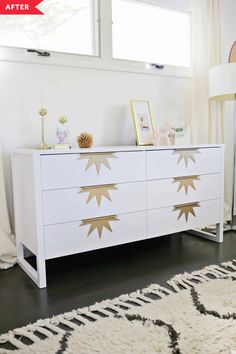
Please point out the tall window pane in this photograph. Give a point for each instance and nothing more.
(148, 33)
(68, 26)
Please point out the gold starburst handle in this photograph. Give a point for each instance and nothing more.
(98, 192)
(186, 182)
(97, 159)
(186, 149)
(99, 186)
(187, 204)
(185, 177)
(186, 209)
(99, 223)
(186, 154)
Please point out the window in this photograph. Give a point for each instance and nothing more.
(152, 34)
(66, 26)
(120, 35)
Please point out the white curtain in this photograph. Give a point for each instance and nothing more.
(7, 243)
(207, 118)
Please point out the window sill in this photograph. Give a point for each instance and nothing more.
(90, 62)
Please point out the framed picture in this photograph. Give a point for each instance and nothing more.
(62, 134)
(143, 121)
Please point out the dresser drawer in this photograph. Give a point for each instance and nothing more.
(74, 170)
(180, 190)
(72, 204)
(173, 219)
(182, 162)
(75, 237)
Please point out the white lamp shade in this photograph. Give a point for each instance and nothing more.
(222, 82)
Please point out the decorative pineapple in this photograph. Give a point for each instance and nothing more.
(85, 140)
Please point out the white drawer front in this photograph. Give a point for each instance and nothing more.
(74, 237)
(74, 170)
(165, 220)
(73, 204)
(173, 163)
(180, 190)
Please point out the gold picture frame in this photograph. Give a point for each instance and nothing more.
(143, 121)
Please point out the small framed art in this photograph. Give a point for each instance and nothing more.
(143, 121)
(62, 134)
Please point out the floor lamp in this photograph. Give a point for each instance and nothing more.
(222, 87)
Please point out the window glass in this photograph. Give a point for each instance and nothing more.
(68, 26)
(148, 33)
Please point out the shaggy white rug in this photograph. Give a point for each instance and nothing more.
(196, 313)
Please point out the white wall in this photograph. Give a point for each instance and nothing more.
(96, 101)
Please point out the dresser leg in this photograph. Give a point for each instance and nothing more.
(217, 237)
(41, 267)
(39, 275)
(219, 232)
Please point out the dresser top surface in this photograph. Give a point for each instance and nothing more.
(118, 148)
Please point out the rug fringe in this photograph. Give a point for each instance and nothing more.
(120, 305)
(188, 280)
(230, 264)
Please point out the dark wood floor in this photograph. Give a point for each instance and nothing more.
(81, 280)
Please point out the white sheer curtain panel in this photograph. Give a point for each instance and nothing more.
(207, 118)
(7, 240)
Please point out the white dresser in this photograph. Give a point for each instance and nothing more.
(72, 201)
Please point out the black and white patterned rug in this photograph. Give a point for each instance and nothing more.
(195, 313)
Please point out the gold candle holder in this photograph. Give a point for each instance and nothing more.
(43, 145)
(62, 119)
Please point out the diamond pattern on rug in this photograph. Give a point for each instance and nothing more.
(196, 315)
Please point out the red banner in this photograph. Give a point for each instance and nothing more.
(20, 7)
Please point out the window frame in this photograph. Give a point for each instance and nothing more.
(104, 60)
